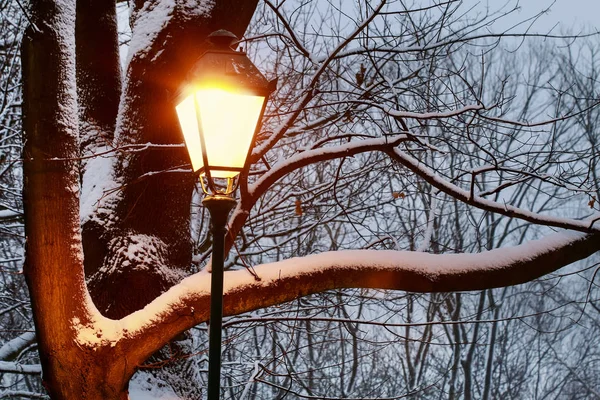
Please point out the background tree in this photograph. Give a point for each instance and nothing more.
(19, 369)
(379, 138)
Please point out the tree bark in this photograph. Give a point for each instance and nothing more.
(394, 270)
(53, 267)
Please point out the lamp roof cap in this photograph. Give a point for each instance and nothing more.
(222, 39)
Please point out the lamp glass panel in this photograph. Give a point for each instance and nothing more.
(186, 112)
(228, 120)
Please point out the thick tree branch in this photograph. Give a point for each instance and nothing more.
(185, 305)
(54, 258)
(11, 349)
(387, 145)
(16, 368)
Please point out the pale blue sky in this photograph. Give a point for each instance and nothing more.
(576, 14)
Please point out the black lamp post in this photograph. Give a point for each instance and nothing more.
(220, 108)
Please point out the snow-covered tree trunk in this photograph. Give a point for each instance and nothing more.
(54, 257)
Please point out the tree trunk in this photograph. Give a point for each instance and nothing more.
(53, 268)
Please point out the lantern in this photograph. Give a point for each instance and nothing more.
(220, 108)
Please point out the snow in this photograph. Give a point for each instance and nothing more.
(145, 386)
(433, 210)
(102, 332)
(13, 347)
(97, 185)
(248, 386)
(97, 333)
(428, 264)
(29, 369)
(143, 251)
(4, 214)
(153, 17)
(11, 350)
(21, 394)
(65, 26)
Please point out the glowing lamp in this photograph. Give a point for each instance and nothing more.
(220, 108)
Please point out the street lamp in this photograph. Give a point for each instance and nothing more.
(220, 108)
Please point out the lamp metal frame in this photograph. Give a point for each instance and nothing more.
(230, 68)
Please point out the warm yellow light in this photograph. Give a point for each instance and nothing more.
(228, 121)
(186, 112)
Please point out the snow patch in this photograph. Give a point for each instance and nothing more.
(96, 333)
(5, 214)
(153, 17)
(97, 185)
(144, 251)
(145, 386)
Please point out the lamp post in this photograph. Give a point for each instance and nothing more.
(220, 107)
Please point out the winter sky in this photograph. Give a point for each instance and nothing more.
(563, 16)
(579, 15)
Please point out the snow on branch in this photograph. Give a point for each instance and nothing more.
(322, 154)
(16, 368)
(9, 214)
(21, 394)
(415, 271)
(12, 348)
(152, 18)
(505, 209)
(185, 304)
